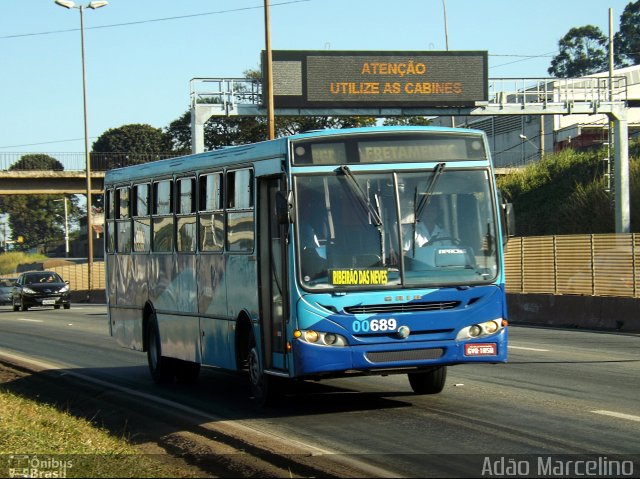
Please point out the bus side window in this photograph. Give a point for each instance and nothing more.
(110, 223)
(210, 215)
(240, 222)
(163, 216)
(141, 220)
(186, 238)
(123, 220)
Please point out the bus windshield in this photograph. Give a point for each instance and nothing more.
(392, 229)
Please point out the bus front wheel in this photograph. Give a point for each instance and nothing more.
(160, 367)
(431, 382)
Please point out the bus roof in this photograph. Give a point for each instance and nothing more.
(237, 155)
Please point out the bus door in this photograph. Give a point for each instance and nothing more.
(274, 298)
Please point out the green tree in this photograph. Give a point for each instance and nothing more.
(136, 143)
(37, 161)
(582, 51)
(565, 194)
(219, 132)
(627, 40)
(37, 218)
(223, 131)
(179, 132)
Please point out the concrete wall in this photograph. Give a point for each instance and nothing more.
(588, 312)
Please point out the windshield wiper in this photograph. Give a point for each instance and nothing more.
(426, 196)
(362, 197)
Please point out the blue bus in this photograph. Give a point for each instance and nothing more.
(323, 254)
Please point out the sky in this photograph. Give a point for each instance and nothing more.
(140, 55)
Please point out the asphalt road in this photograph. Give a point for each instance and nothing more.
(563, 392)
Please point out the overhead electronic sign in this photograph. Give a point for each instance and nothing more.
(386, 79)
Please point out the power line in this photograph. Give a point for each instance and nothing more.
(153, 20)
(47, 142)
(525, 58)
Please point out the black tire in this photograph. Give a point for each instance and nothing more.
(56, 306)
(66, 306)
(265, 389)
(162, 369)
(187, 372)
(431, 382)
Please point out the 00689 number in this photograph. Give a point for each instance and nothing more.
(374, 325)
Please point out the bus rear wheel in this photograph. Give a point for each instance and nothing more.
(264, 388)
(160, 367)
(187, 372)
(430, 382)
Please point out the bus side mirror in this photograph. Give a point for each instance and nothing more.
(284, 206)
(508, 221)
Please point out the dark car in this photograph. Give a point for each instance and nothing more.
(40, 288)
(6, 288)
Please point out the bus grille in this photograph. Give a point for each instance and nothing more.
(401, 307)
(407, 355)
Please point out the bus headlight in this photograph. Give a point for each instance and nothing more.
(311, 336)
(491, 327)
(475, 331)
(479, 330)
(320, 338)
(330, 339)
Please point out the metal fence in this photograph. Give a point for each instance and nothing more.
(592, 265)
(71, 161)
(78, 275)
(596, 265)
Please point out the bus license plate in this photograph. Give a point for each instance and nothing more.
(481, 349)
(48, 301)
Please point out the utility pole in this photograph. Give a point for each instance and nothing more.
(610, 169)
(446, 43)
(271, 131)
(66, 226)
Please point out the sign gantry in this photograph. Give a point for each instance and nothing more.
(412, 83)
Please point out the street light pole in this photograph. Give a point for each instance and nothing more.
(446, 29)
(526, 138)
(93, 5)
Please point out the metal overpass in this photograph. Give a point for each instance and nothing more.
(243, 96)
(47, 182)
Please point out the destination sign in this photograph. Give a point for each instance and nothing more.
(358, 276)
(338, 79)
(400, 148)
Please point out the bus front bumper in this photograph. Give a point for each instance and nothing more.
(319, 360)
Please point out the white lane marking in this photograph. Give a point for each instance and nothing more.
(619, 415)
(214, 420)
(31, 320)
(528, 349)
